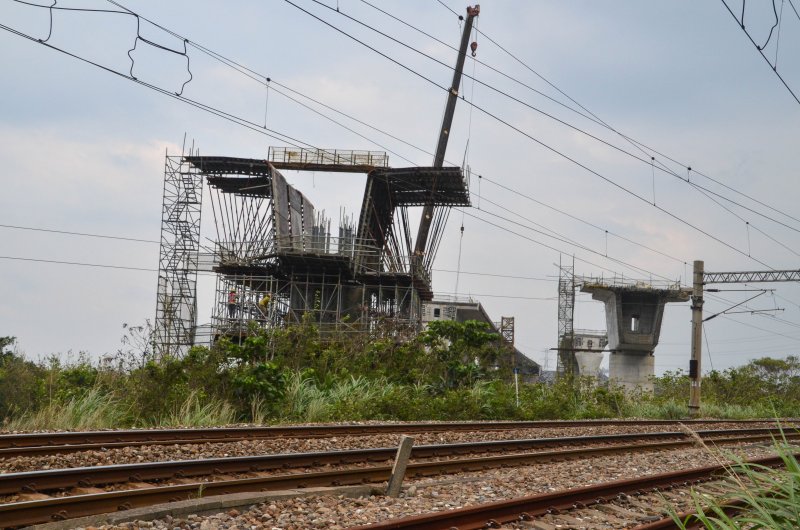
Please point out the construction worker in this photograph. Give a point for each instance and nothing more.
(263, 305)
(232, 303)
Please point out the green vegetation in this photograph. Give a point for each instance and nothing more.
(770, 498)
(452, 371)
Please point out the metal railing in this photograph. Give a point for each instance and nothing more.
(345, 157)
(631, 283)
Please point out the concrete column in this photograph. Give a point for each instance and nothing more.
(697, 339)
(633, 322)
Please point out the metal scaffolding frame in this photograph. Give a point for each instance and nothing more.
(277, 263)
(176, 298)
(566, 363)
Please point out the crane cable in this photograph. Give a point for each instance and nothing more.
(465, 163)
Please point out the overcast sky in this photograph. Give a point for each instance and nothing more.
(82, 150)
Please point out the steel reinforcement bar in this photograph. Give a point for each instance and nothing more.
(492, 515)
(48, 480)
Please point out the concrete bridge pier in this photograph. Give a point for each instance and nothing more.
(633, 321)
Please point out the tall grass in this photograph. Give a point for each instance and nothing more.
(197, 412)
(94, 409)
(353, 398)
(304, 400)
(770, 498)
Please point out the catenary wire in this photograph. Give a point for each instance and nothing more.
(228, 61)
(58, 262)
(661, 167)
(84, 234)
(540, 142)
(206, 108)
(760, 51)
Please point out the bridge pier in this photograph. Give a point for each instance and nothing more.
(633, 320)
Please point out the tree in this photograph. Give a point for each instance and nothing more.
(464, 350)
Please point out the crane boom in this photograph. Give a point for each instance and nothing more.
(444, 132)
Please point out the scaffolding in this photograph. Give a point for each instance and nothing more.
(278, 264)
(176, 300)
(507, 329)
(566, 363)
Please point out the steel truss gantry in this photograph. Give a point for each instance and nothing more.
(700, 279)
(751, 277)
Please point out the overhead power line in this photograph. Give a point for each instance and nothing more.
(773, 67)
(240, 67)
(238, 120)
(81, 264)
(536, 140)
(84, 234)
(159, 26)
(594, 118)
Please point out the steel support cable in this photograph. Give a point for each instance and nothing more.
(548, 232)
(194, 103)
(760, 51)
(228, 61)
(315, 111)
(632, 140)
(619, 186)
(750, 225)
(59, 262)
(759, 328)
(772, 317)
(661, 167)
(536, 140)
(84, 234)
(521, 194)
(503, 228)
(244, 70)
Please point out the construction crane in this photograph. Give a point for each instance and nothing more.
(422, 249)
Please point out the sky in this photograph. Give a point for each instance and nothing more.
(82, 150)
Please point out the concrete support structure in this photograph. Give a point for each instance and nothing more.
(588, 347)
(633, 320)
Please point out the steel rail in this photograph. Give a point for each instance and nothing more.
(729, 507)
(39, 511)
(142, 436)
(492, 515)
(48, 480)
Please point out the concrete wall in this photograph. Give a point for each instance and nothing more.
(631, 370)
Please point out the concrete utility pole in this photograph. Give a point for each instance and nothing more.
(697, 338)
(444, 132)
(702, 278)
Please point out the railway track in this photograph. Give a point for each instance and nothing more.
(209, 477)
(65, 442)
(634, 503)
(43, 481)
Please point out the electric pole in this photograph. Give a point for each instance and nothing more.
(700, 279)
(697, 337)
